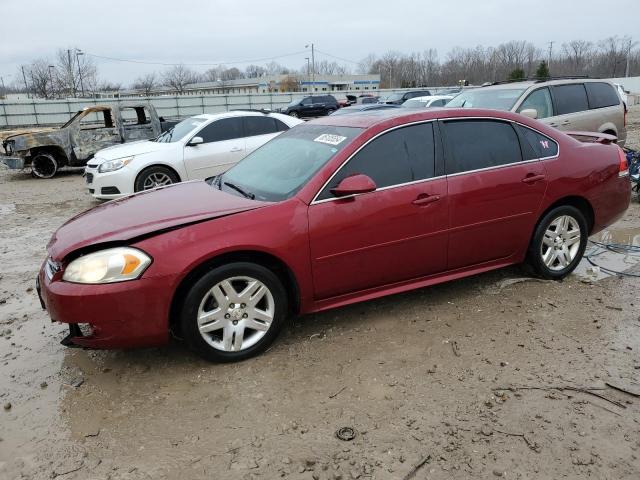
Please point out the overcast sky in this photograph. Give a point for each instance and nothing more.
(173, 31)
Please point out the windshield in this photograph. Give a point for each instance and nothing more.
(179, 131)
(495, 98)
(281, 167)
(394, 97)
(414, 104)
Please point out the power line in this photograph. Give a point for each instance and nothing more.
(338, 58)
(195, 64)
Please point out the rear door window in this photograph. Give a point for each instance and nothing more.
(259, 126)
(540, 100)
(570, 98)
(225, 129)
(478, 144)
(601, 95)
(400, 156)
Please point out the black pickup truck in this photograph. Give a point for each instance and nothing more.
(91, 129)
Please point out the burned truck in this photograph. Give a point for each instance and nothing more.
(74, 143)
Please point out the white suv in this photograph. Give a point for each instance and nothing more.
(196, 148)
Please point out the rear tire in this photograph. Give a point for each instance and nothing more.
(44, 165)
(558, 242)
(234, 312)
(154, 177)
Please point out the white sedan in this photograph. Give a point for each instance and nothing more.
(428, 101)
(196, 148)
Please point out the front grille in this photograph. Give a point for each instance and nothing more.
(51, 268)
(109, 190)
(88, 177)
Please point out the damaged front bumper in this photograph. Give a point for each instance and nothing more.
(14, 163)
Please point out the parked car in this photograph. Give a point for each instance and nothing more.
(74, 143)
(428, 102)
(334, 211)
(568, 104)
(400, 98)
(364, 99)
(364, 107)
(195, 148)
(449, 91)
(312, 106)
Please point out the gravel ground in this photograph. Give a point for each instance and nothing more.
(497, 375)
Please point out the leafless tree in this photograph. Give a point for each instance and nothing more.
(39, 78)
(254, 71)
(230, 74)
(576, 54)
(146, 83)
(74, 72)
(178, 77)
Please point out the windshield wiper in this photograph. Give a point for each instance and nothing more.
(240, 190)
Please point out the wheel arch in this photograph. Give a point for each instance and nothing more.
(578, 202)
(152, 165)
(57, 151)
(267, 260)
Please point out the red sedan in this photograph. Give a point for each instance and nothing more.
(335, 211)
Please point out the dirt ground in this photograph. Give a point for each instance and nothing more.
(426, 379)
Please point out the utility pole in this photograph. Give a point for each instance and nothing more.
(4, 89)
(308, 70)
(550, 52)
(630, 45)
(24, 77)
(78, 53)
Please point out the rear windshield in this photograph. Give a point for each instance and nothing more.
(495, 98)
(282, 166)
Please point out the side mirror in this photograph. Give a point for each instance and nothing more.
(195, 141)
(353, 185)
(530, 112)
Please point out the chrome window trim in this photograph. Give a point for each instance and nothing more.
(315, 200)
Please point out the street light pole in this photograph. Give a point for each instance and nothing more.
(313, 67)
(78, 53)
(51, 67)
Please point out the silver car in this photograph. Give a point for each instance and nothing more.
(568, 104)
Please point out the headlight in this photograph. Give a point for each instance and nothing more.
(113, 165)
(107, 266)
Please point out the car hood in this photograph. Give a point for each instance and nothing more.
(146, 213)
(130, 149)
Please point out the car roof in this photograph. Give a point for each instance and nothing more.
(397, 116)
(529, 83)
(234, 113)
(428, 98)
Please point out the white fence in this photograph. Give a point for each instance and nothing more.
(18, 113)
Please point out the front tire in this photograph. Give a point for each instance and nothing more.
(294, 114)
(558, 242)
(44, 165)
(233, 312)
(154, 177)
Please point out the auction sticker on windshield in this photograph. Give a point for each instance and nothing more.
(330, 139)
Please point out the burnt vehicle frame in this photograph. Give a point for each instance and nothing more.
(87, 131)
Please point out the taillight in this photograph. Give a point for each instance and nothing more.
(624, 165)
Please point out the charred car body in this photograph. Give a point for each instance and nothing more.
(74, 143)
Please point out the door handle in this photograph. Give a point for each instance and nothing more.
(566, 122)
(235, 149)
(533, 178)
(424, 199)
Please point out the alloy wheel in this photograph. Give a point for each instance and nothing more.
(156, 180)
(236, 313)
(560, 243)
